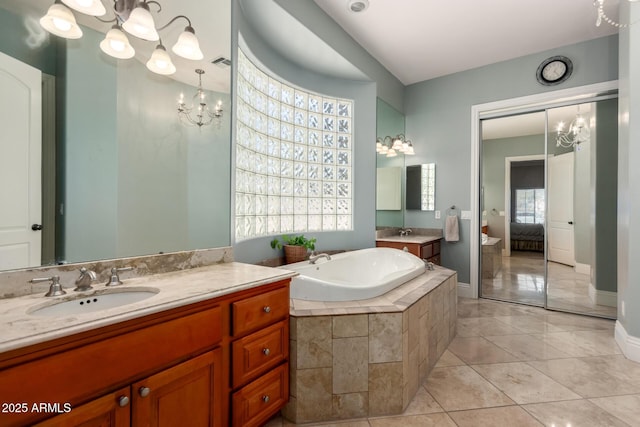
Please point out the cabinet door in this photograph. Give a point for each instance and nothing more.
(112, 410)
(188, 394)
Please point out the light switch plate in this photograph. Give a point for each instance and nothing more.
(465, 215)
(437, 214)
(501, 213)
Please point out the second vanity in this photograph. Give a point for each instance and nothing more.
(211, 347)
(423, 246)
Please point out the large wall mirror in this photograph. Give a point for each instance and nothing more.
(122, 175)
(547, 238)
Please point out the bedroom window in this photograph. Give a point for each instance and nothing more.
(530, 206)
(294, 157)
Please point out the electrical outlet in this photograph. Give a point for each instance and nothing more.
(437, 214)
(465, 215)
(501, 213)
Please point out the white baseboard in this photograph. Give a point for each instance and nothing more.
(629, 345)
(582, 268)
(465, 291)
(608, 298)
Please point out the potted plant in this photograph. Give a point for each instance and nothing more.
(295, 247)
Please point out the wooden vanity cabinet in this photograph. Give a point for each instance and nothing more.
(166, 369)
(429, 251)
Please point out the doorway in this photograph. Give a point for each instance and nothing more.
(541, 246)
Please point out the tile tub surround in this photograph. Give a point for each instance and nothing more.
(15, 283)
(366, 358)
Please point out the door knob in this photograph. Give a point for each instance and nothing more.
(36, 227)
(570, 222)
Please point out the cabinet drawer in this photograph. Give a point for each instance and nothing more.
(436, 247)
(427, 251)
(256, 353)
(258, 401)
(255, 312)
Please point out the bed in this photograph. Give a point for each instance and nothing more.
(527, 237)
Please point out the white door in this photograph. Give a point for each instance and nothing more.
(20, 162)
(560, 209)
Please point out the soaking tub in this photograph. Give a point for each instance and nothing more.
(355, 275)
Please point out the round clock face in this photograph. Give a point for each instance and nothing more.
(554, 70)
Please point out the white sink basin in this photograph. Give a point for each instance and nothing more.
(92, 303)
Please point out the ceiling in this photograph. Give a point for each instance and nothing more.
(418, 40)
(211, 20)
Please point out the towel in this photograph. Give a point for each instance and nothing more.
(451, 233)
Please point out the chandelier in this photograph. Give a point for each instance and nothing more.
(602, 16)
(199, 113)
(391, 146)
(577, 133)
(132, 17)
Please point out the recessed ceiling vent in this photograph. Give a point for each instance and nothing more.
(222, 62)
(357, 6)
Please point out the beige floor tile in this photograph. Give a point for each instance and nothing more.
(449, 359)
(475, 350)
(582, 343)
(507, 416)
(432, 420)
(530, 324)
(524, 384)
(574, 322)
(483, 326)
(460, 387)
(423, 403)
(627, 408)
(575, 413)
(527, 347)
(593, 376)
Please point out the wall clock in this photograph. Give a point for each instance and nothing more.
(554, 70)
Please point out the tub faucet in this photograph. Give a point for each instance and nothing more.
(314, 258)
(405, 231)
(87, 277)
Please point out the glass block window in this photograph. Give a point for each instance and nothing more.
(294, 158)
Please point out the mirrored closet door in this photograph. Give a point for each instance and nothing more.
(549, 208)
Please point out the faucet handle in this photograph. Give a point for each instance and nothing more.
(115, 278)
(55, 289)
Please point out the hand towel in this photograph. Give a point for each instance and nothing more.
(451, 233)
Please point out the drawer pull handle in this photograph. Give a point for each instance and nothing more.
(123, 401)
(266, 309)
(266, 351)
(144, 391)
(265, 399)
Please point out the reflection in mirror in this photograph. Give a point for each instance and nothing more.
(121, 174)
(512, 238)
(421, 187)
(390, 121)
(388, 189)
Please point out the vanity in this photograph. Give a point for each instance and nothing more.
(211, 347)
(423, 246)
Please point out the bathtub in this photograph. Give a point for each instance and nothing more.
(355, 275)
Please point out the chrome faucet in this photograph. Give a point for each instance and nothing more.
(405, 231)
(87, 277)
(55, 289)
(115, 278)
(314, 258)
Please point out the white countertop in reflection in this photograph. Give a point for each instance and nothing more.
(421, 240)
(176, 289)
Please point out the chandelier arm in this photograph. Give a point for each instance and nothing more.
(173, 20)
(106, 21)
(154, 2)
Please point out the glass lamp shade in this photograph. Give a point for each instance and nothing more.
(117, 45)
(60, 21)
(160, 62)
(88, 7)
(188, 46)
(391, 153)
(140, 24)
(409, 151)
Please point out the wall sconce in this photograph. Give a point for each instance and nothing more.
(391, 146)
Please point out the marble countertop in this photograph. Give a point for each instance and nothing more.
(411, 238)
(492, 241)
(176, 289)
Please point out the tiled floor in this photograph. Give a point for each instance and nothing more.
(513, 365)
(521, 279)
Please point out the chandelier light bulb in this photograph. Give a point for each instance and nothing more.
(88, 7)
(391, 153)
(117, 45)
(160, 62)
(60, 21)
(188, 46)
(140, 23)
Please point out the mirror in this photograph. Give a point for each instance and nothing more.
(390, 121)
(421, 187)
(129, 177)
